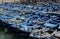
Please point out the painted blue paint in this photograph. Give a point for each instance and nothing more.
(50, 25)
(30, 16)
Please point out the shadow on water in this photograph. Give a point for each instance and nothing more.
(19, 37)
(11, 35)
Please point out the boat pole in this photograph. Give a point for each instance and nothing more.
(39, 35)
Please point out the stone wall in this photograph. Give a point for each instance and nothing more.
(0, 1)
(10, 1)
(58, 0)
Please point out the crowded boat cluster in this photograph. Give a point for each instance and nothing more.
(40, 20)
